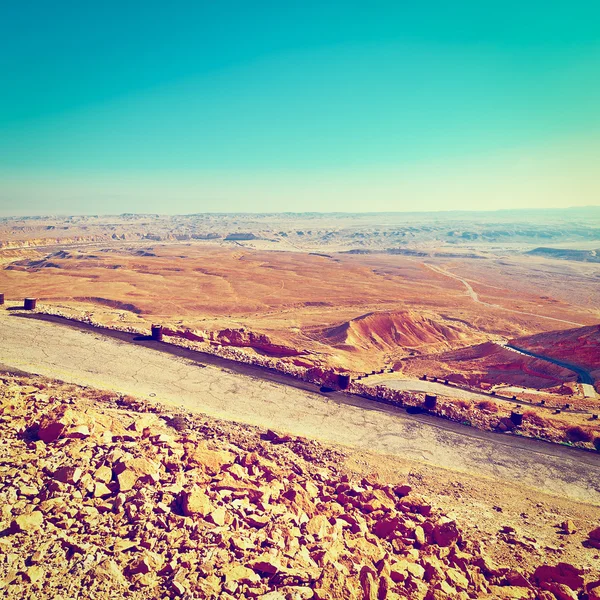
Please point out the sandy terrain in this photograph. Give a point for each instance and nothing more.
(297, 300)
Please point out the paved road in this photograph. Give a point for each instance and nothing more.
(429, 387)
(241, 393)
(451, 391)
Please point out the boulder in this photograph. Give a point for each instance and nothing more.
(568, 527)
(267, 564)
(399, 571)
(195, 502)
(594, 538)
(562, 573)
(212, 461)
(101, 491)
(78, 432)
(384, 528)
(319, 526)
(416, 570)
(69, 475)
(103, 474)
(27, 522)
(420, 535)
(446, 534)
(109, 571)
(34, 573)
(402, 490)
(241, 574)
(561, 591)
(218, 517)
(127, 480)
(51, 432)
(456, 578)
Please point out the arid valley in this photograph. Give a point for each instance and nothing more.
(396, 405)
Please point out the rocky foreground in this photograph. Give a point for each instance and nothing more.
(109, 497)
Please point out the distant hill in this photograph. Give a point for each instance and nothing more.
(387, 330)
(576, 350)
(568, 254)
(241, 237)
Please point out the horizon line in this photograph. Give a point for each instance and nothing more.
(311, 212)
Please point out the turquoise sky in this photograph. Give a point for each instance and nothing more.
(228, 106)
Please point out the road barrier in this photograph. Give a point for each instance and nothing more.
(430, 401)
(516, 418)
(344, 381)
(29, 303)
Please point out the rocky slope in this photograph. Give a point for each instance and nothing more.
(238, 338)
(109, 497)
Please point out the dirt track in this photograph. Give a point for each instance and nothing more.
(475, 297)
(90, 358)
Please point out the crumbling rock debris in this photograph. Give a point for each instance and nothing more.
(104, 499)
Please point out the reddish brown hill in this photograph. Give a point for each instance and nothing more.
(389, 330)
(491, 364)
(579, 346)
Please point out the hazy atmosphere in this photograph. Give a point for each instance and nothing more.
(148, 107)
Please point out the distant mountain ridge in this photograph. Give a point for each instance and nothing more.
(568, 254)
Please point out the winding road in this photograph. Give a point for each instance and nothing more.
(243, 393)
(584, 377)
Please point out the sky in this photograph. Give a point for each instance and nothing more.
(184, 107)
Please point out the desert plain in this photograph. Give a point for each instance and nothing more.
(489, 321)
